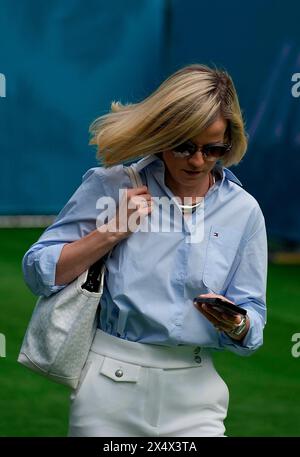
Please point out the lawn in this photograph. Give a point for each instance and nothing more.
(264, 388)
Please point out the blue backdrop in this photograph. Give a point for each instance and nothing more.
(65, 61)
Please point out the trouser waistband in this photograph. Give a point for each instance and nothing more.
(149, 355)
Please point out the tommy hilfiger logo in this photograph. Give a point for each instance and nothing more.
(215, 234)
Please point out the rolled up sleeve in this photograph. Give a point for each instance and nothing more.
(76, 219)
(248, 290)
(39, 268)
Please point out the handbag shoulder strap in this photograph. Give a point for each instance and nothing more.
(95, 276)
(134, 175)
(136, 181)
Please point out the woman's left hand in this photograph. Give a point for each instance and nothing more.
(223, 322)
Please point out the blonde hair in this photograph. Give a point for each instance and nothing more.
(184, 105)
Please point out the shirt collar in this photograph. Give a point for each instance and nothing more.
(231, 177)
(145, 161)
(218, 169)
(225, 173)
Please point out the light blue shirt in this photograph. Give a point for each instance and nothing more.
(152, 277)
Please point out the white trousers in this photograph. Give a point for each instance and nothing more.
(134, 389)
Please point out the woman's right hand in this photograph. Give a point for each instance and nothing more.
(135, 204)
(80, 254)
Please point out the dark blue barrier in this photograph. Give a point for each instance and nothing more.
(65, 61)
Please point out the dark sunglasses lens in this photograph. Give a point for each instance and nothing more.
(215, 151)
(185, 147)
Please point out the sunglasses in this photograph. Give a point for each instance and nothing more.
(210, 151)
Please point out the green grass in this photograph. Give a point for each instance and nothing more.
(264, 388)
(30, 405)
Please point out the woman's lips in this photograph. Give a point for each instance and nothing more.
(192, 173)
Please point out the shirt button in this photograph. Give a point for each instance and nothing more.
(119, 373)
(198, 359)
(197, 350)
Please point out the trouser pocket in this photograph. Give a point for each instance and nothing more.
(120, 371)
(107, 386)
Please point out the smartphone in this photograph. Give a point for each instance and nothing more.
(221, 305)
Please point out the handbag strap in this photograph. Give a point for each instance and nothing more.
(95, 277)
(134, 175)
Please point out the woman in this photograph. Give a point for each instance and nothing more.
(150, 370)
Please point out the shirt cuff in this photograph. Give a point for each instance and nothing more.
(45, 262)
(250, 343)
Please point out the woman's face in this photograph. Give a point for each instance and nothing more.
(175, 166)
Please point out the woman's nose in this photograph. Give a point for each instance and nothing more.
(197, 159)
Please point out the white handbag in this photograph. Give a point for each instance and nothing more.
(62, 327)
